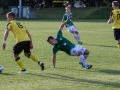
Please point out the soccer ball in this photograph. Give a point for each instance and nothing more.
(1, 69)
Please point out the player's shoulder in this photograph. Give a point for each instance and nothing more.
(55, 47)
(116, 10)
(9, 23)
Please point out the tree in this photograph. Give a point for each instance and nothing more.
(48, 3)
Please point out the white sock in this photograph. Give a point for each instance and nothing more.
(83, 60)
(85, 56)
(77, 37)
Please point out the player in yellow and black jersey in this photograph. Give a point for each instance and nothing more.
(115, 16)
(23, 41)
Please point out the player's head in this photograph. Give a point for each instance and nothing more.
(51, 40)
(10, 16)
(68, 5)
(115, 4)
(67, 9)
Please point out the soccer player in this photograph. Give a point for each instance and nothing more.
(115, 16)
(63, 44)
(23, 41)
(69, 25)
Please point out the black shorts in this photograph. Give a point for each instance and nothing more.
(117, 34)
(25, 45)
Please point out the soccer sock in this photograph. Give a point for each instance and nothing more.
(83, 60)
(77, 37)
(119, 46)
(20, 63)
(33, 57)
(85, 56)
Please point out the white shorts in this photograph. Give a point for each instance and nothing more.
(74, 51)
(71, 28)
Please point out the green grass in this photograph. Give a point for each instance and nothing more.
(97, 37)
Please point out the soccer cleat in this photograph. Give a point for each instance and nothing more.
(22, 72)
(88, 66)
(80, 42)
(82, 64)
(41, 64)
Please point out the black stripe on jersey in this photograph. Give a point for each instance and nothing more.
(111, 14)
(8, 24)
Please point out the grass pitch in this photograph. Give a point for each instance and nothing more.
(97, 37)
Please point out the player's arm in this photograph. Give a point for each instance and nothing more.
(62, 25)
(5, 38)
(31, 44)
(63, 18)
(54, 60)
(62, 21)
(110, 19)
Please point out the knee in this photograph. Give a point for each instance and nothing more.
(16, 56)
(76, 32)
(27, 54)
(79, 53)
(72, 32)
(87, 52)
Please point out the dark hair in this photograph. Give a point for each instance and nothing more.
(11, 14)
(68, 4)
(50, 37)
(116, 3)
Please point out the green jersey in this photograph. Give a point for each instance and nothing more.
(69, 23)
(63, 44)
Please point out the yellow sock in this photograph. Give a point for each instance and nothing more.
(119, 46)
(33, 57)
(20, 63)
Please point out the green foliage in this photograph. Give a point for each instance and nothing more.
(97, 37)
(102, 13)
(1, 3)
(78, 14)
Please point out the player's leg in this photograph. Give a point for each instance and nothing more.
(80, 51)
(77, 37)
(83, 58)
(86, 53)
(119, 44)
(28, 54)
(17, 49)
(75, 33)
(117, 36)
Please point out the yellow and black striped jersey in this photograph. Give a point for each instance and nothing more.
(19, 31)
(115, 14)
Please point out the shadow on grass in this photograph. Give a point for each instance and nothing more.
(69, 78)
(101, 45)
(78, 80)
(112, 72)
(6, 74)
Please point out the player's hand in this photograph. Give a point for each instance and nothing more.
(4, 46)
(108, 22)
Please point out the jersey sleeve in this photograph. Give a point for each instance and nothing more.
(24, 26)
(54, 50)
(111, 15)
(64, 17)
(9, 25)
